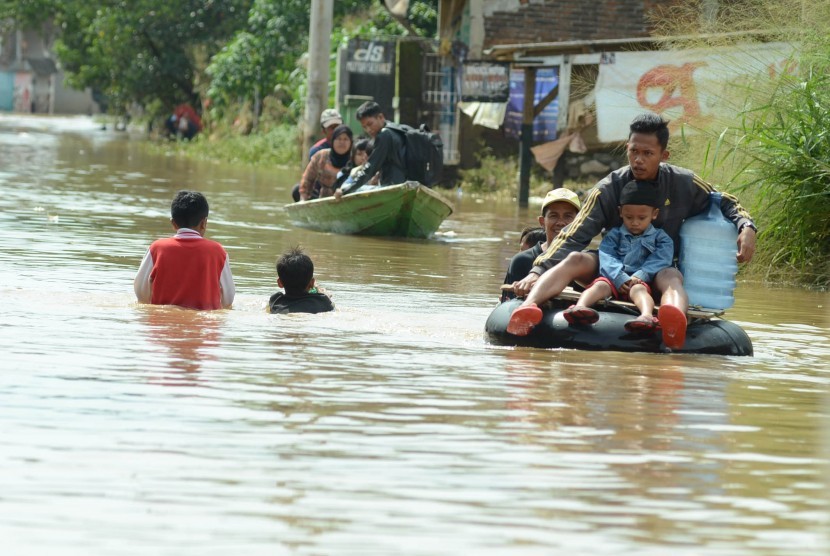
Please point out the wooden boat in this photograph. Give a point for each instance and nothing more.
(406, 210)
(706, 332)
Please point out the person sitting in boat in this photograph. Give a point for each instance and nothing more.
(324, 166)
(386, 154)
(681, 194)
(329, 120)
(360, 154)
(630, 255)
(295, 274)
(559, 208)
(530, 236)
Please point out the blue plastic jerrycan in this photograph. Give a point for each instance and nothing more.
(708, 249)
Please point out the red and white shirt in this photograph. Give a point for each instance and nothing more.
(186, 270)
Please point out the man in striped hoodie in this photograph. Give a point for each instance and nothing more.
(681, 194)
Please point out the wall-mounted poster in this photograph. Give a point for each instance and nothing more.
(485, 81)
(370, 57)
(370, 71)
(544, 125)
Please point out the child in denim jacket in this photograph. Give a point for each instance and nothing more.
(630, 256)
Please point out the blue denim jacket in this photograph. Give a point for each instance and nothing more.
(623, 255)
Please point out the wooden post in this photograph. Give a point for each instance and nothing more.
(526, 136)
(319, 46)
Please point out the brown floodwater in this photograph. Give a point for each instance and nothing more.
(387, 427)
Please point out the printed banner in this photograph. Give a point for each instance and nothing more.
(370, 57)
(544, 125)
(686, 86)
(485, 82)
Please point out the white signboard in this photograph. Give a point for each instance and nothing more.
(686, 86)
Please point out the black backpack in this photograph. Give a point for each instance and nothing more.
(423, 154)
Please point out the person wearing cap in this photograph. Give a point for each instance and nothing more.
(559, 208)
(630, 256)
(329, 120)
(681, 194)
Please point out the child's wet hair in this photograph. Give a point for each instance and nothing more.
(295, 269)
(189, 208)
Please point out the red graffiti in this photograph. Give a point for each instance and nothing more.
(787, 66)
(678, 91)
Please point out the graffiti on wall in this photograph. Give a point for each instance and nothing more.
(690, 87)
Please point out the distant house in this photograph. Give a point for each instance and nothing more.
(601, 64)
(31, 80)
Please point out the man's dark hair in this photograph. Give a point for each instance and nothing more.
(188, 209)
(650, 122)
(368, 108)
(295, 269)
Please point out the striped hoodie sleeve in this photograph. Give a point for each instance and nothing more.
(729, 204)
(597, 211)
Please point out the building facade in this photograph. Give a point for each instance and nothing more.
(31, 80)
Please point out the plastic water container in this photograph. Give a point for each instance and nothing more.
(708, 247)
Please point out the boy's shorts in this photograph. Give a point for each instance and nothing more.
(614, 291)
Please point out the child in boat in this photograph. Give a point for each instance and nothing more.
(295, 273)
(630, 256)
(360, 154)
(530, 236)
(186, 270)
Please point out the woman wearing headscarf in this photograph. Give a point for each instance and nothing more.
(322, 169)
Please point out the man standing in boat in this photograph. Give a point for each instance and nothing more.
(386, 156)
(681, 194)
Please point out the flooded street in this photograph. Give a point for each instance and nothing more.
(387, 427)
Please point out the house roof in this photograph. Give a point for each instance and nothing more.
(517, 51)
(42, 66)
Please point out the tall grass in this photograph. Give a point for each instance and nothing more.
(775, 150)
(279, 146)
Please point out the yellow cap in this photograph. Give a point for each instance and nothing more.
(561, 195)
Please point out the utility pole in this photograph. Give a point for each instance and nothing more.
(319, 47)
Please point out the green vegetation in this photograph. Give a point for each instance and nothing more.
(278, 146)
(775, 152)
(156, 54)
(499, 177)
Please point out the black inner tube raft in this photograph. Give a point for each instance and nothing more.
(707, 336)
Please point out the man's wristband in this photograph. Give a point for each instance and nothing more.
(749, 225)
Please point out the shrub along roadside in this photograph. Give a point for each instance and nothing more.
(279, 146)
(788, 152)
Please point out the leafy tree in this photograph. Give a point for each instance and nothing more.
(266, 56)
(146, 51)
(26, 14)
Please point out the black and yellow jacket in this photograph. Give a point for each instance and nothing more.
(681, 194)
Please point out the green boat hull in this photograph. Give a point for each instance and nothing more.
(406, 210)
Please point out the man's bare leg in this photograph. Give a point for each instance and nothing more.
(673, 306)
(576, 266)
